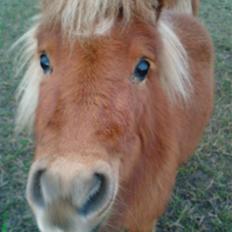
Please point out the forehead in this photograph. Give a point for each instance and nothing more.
(135, 39)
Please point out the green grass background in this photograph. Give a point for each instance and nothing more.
(202, 198)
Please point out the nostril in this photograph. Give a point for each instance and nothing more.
(35, 190)
(96, 195)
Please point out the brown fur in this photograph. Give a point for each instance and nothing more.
(89, 109)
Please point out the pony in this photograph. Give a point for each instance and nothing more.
(117, 94)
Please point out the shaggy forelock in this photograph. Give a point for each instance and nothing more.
(85, 17)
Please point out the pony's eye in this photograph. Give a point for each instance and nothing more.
(141, 70)
(45, 63)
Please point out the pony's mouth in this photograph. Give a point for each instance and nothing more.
(84, 205)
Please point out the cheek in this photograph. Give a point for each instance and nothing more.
(46, 144)
(130, 157)
(47, 106)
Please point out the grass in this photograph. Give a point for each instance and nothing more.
(202, 198)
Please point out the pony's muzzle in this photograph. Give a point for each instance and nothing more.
(64, 193)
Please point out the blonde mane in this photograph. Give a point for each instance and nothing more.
(85, 17)
(94, 17)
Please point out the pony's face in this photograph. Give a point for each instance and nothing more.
(93, 119)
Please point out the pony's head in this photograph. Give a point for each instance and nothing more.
(100, 75)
